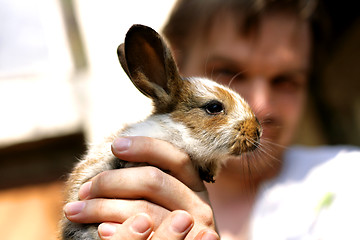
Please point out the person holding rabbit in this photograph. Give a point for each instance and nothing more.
(263, 50)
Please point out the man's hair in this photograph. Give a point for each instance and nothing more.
(191, 18)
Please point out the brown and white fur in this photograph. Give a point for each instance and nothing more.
(208, 121)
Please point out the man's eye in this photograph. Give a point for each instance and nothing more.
(285, 83)
(214, 107)
(228, 74)
(224, 72)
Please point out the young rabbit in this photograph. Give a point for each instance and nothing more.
(206, 120)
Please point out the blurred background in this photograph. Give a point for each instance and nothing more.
(61, 86)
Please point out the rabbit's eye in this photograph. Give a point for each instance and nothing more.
(214, 107)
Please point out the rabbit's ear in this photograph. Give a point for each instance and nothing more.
(122, 59)
(150, 65)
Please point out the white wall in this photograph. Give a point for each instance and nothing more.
(36, 69)
(42, 94)
(113, 99)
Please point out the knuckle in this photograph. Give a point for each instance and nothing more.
(142, 206)
(157, 212)
(183, 159)
(99, 182)
(206, 216)
(145, 207)
(157, 178)
(100, 208)
(209, 217)
(155, 173)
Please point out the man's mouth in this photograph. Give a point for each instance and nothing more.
(271, 130)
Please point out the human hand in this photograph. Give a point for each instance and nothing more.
(117, 195)
(139, 227)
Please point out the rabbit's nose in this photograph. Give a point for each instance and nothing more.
(248, 136)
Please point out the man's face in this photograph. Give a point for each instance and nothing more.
(268, 68)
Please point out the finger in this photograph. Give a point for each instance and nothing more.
(112, 210)
(146, 182)
(175, 227)
(116, 210)
(180, 225)
(138, 227)
(207, 235)
(160, 154)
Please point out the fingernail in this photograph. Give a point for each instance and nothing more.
(74, 208)
(84, 191)
(209, 236)
(121, 144)
(181, 222)
(141, 224)
(106, 230)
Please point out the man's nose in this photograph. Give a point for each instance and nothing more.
(259, 97)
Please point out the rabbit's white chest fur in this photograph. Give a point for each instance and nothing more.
(163, 127)
(158, 126)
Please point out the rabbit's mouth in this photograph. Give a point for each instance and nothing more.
(247, 137)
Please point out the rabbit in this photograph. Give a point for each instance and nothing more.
(208, 121)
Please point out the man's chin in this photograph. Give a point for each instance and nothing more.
(262, 164)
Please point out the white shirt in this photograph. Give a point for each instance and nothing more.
(316, 196)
